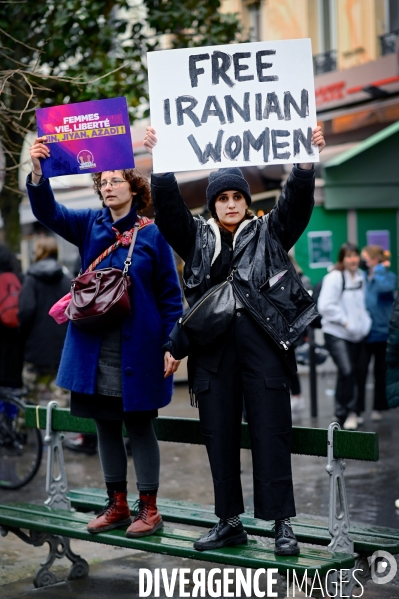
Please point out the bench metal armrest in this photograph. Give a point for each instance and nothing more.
(338, 518)
(56, 478)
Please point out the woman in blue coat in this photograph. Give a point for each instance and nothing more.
(380, 287)
(123, 375)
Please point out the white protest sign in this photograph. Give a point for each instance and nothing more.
(232, 105)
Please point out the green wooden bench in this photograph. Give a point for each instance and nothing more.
(64, 514)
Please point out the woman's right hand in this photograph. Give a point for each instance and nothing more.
(150, 140)
(38, 150)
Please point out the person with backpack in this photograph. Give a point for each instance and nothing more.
(43, 339)
(10, 346)
(345, 324)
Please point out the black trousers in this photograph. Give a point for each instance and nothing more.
(347, 357)
(378, 350)
(295, 384)
(251, 367)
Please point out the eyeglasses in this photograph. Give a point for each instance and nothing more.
(115, 183)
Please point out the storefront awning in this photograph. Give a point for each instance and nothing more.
(366, 176)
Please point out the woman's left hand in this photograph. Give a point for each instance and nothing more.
(170, 364)
(150, 140)
(318, 138)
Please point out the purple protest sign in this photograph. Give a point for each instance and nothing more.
(86, 137)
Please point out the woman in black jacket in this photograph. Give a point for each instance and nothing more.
(253, 356)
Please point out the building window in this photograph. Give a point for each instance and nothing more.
(326, 60)
(388, 40)
(392, 15)
(255, 16)
(320, 249)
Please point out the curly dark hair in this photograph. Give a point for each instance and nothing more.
(138, 183)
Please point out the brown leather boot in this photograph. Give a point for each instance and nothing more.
(115, 515)
(147, 520)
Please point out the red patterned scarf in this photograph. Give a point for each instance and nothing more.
(123, 239)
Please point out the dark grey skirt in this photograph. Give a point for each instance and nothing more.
(105, 407)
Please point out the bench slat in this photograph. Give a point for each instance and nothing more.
(305, 441)
(170, 541)
(308, 529)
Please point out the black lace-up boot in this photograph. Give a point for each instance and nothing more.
(285, 540)
(221, 535)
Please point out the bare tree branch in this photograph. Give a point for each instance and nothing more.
(18, 41)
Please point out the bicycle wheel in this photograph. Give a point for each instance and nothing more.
(21, 448)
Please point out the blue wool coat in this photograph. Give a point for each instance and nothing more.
(155, 298)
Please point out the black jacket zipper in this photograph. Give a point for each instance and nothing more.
(260, 317)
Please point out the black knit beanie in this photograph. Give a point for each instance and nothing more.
(223, 180)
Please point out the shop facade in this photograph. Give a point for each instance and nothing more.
(357, 193)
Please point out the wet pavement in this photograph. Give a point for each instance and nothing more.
(372, 489)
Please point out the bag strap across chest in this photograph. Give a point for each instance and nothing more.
(128, 238)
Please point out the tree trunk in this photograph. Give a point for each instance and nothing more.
(9, 206)
(13, 137)
(10, 199)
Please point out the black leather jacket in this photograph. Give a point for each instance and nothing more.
(283, 310)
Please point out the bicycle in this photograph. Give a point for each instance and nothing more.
(21, 448)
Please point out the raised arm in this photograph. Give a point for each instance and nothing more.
(172, 216)
(39, 151)
(70, 224)
(317, 140)
(168, 293)
(291, 215)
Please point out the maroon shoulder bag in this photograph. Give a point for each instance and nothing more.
(100, 298)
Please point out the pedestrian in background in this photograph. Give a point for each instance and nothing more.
(10, 345)
(43, 339)
(120, 375)
(345, 324)
(380, 287)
